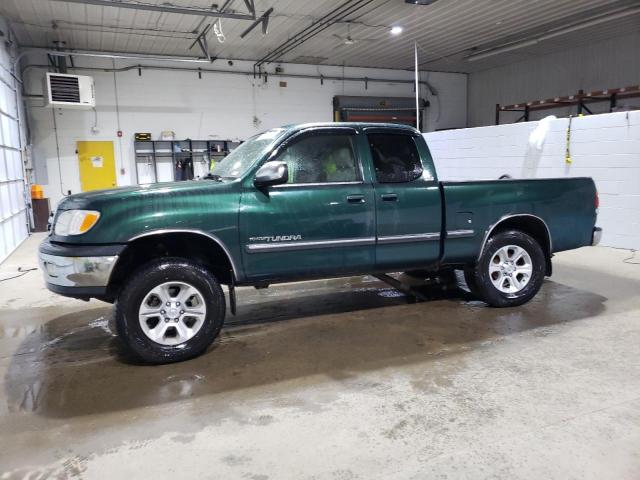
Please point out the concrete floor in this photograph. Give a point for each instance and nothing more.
(339, 379)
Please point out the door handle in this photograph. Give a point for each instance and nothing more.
(389, 197)
(355, 199)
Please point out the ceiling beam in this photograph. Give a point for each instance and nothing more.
(224, 6)
(251, 7)
(264, 20)
(201, 40)
(165, 9)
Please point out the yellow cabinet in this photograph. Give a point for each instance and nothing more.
(97, 165)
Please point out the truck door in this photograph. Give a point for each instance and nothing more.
(321, 221)
(407, 197)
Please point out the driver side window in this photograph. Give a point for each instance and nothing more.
(321, 158)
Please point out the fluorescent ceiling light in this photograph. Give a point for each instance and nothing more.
(503, 49)
(420, 2)
(397, 30)
(552, 34)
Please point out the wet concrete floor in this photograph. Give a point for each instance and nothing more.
(337, 379)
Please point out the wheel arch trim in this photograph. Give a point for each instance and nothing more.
(210, 236)
(492, 227)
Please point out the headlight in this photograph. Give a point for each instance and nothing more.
(75, 222)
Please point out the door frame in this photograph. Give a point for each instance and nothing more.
(427, 180)
(300, 244)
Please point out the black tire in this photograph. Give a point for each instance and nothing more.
(486, 289)
(156, 273)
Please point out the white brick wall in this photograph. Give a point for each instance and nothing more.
(605, 147)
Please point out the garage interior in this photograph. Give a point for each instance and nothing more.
(344, 378)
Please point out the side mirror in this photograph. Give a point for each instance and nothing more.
(271, 173)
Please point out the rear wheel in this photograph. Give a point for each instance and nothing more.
(510, 271)
(171, 310)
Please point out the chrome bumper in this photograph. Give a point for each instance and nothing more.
(76, 271)
(597, 236)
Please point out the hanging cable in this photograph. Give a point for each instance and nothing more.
(94, 129)
(115, 92)
(22, 272)
(217, 29)
(55, 134)
(567, 154)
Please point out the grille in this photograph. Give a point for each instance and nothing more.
(64, 89)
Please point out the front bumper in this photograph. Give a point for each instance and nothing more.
(596, 237)
(77, 271)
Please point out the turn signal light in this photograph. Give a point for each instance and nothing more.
(89, 221)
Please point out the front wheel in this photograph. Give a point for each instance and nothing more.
(170, 310)
(510, 271)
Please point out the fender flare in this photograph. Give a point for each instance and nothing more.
(548, 247)
(210, 236)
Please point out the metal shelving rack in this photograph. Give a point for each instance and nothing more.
(580, 99)
(171, 160)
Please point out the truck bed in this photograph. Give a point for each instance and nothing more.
(566, 205)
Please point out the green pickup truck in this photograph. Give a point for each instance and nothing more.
(297, 203)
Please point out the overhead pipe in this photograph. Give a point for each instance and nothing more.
(199, 70)
(236, 72)
(314, 29)
(113, 55)
(329, 17)
(322, 24)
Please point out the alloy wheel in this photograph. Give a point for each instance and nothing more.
(172, 313)
(510, 269)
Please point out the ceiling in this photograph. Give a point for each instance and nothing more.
(447, 31)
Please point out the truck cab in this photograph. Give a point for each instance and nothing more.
(353, 198)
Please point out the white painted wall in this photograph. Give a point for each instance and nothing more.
(593, 66)
(13, 210)
(218, 106)
(605, 147)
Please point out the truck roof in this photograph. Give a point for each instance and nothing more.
(398, 126)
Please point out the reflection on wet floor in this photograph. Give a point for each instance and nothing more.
(73, 366)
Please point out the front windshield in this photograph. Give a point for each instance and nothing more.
(237, 162)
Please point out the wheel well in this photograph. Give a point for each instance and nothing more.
(532, 226)
(194, 246)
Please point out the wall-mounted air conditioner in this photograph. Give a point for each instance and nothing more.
(69, 91)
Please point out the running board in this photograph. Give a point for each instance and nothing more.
(398, 285)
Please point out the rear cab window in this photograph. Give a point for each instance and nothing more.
(395, 157)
